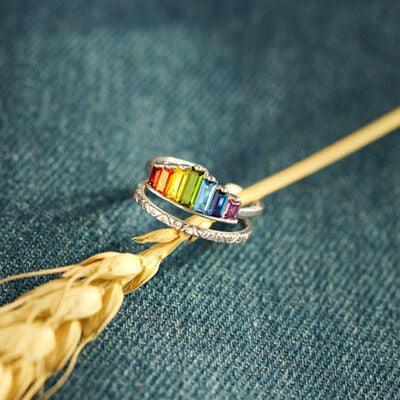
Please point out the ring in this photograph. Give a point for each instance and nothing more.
(190, 187)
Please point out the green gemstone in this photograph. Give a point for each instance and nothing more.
(196, 191)
(189, 187)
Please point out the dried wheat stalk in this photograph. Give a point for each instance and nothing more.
(43, 331)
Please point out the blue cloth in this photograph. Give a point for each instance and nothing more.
(309, 307)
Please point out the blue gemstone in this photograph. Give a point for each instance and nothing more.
(218, 204)
(204, 196)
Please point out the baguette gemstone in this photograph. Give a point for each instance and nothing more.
(163, 179)
(204, 196)
(190, 186)
(218, 203)
(174, 183)
(154, 175)
(232, 209)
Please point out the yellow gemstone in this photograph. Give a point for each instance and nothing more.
(175, 182)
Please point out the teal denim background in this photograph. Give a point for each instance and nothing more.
(309, 307)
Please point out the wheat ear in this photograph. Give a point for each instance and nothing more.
(43, 331)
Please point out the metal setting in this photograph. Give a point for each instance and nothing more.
(183, 226)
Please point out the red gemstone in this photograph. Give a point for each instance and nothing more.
(154, 176)
(232, 209)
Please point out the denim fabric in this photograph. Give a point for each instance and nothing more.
(309, 307)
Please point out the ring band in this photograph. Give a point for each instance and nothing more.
(191, 229)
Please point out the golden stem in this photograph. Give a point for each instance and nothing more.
(323, 158)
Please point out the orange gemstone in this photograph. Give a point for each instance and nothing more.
(163, 179)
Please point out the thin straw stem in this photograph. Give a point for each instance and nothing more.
(323, 158)
(41, 272)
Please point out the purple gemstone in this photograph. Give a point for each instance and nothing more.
(232, 209)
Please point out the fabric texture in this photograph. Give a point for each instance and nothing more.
(309, 307)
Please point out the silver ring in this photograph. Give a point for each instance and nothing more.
(183, 226)
(190, 187)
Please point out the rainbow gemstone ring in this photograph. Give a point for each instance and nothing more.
(190, 187)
